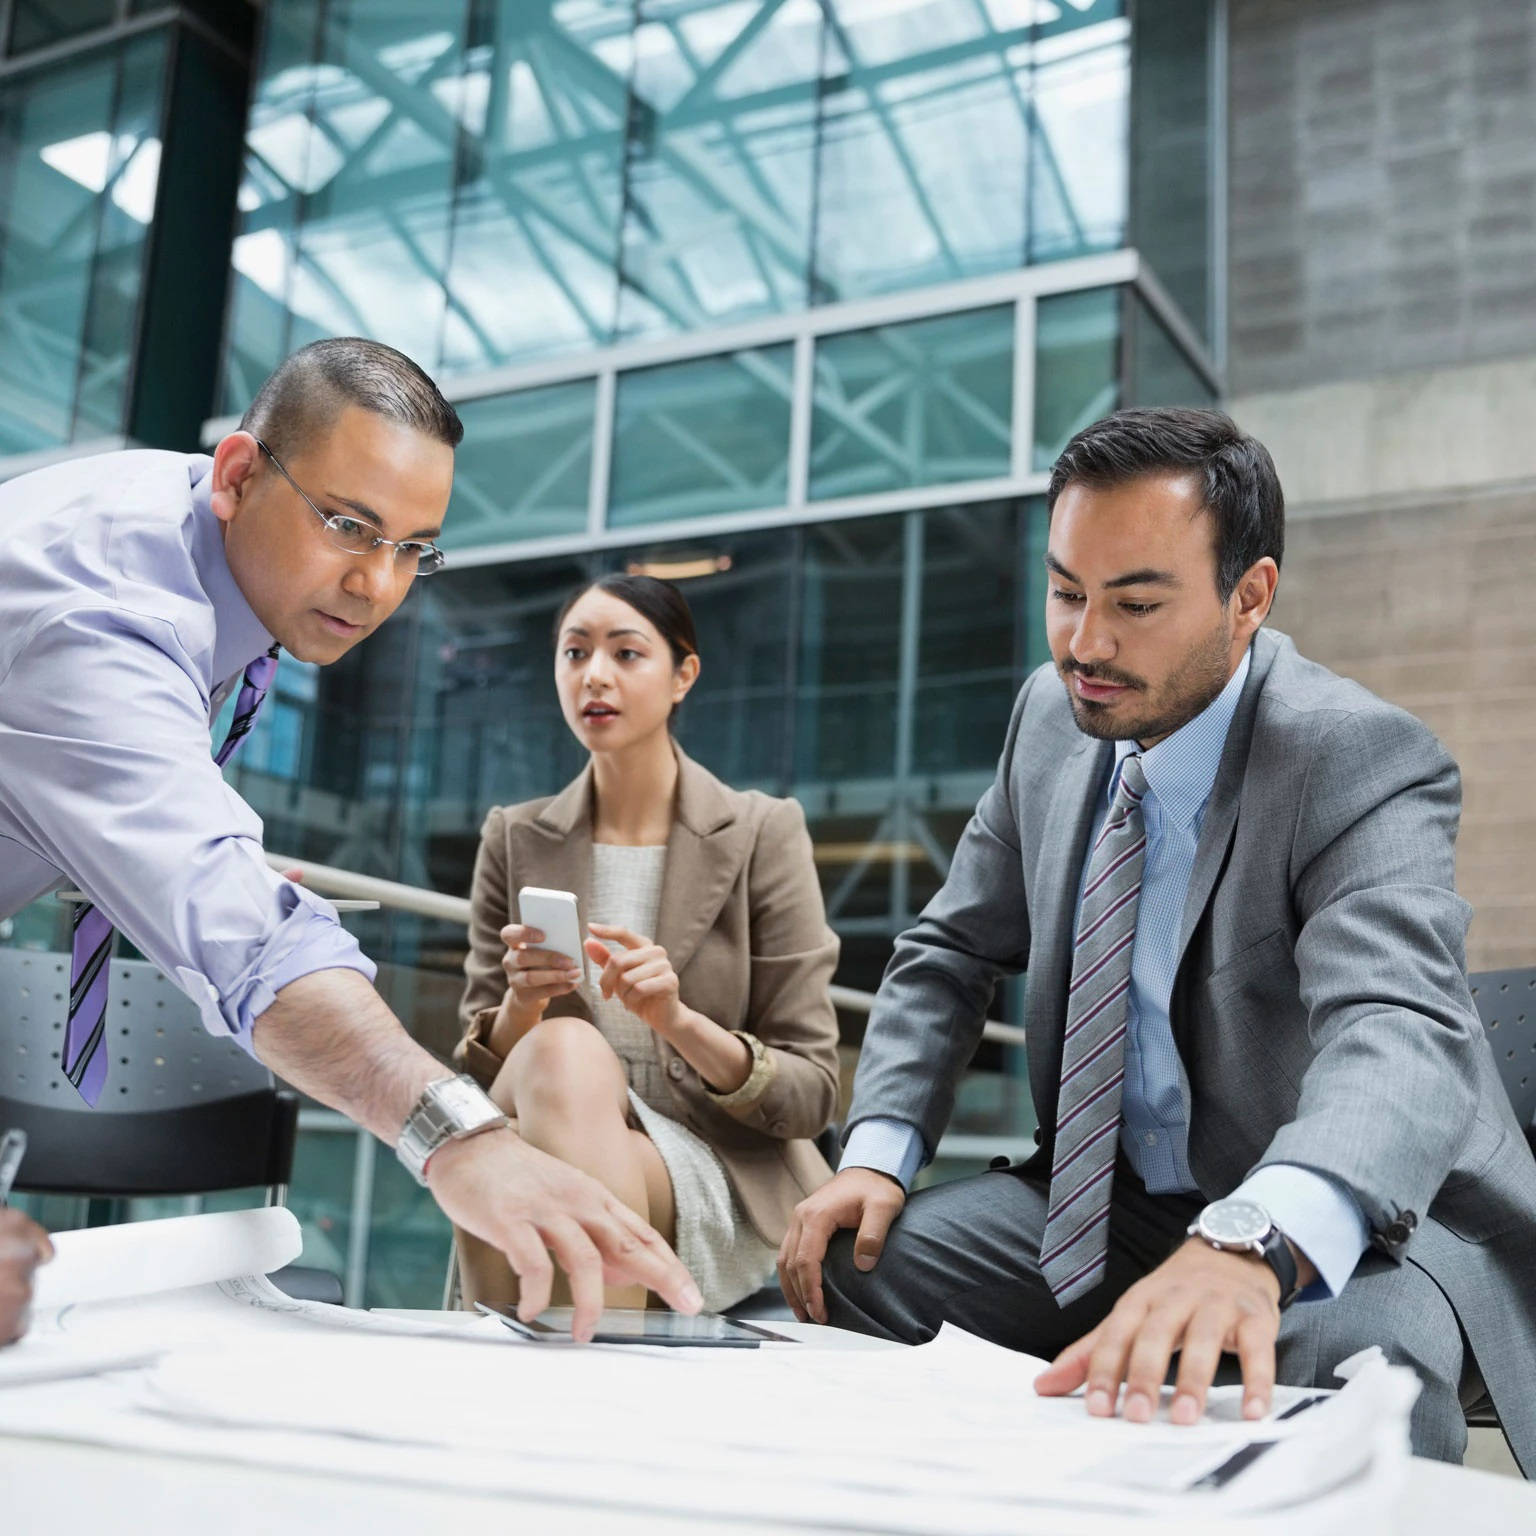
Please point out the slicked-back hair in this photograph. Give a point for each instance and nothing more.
(1238, 483)
(310, 389)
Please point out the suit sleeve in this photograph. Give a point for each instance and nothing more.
(1390, 1092)
(933, 999)
(485, 983)
(789, 1007)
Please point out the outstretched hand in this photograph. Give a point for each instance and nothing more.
(531, 1206)
(1201, 1301)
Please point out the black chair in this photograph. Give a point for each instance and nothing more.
(183, 1112)
(1506, 1003)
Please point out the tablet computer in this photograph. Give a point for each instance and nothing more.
(637, 1325)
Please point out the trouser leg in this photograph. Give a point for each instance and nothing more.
(968, 1253)
(1399, 1308)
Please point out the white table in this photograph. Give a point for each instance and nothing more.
(105, 1490)
(52, 1486)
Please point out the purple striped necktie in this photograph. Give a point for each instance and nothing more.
(85, 1053)
(1075, 1246)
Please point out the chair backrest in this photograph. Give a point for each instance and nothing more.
(1506, 1003)
(184, 1112)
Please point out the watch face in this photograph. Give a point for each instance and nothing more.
(1234, 1222)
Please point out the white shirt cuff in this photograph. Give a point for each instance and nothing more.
(891, 1147)
(1319, 1215)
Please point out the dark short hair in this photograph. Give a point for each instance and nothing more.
(310, 389)
(1238, 483)
(656, 600)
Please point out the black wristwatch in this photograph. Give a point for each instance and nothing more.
(1244, 1226)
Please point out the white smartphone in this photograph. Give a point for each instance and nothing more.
(554, 914)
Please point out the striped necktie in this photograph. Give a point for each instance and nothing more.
(85, 1054)
(1076, 1241)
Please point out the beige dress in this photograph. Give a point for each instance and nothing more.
(715, 1239)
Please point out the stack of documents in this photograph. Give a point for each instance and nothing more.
(191, 1350)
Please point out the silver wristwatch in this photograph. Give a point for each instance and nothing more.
(448, 1110)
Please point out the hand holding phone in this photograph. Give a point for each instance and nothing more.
(544, 958)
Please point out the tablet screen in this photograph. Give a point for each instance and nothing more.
(644, 1326)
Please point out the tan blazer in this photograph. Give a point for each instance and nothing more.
(741, 919)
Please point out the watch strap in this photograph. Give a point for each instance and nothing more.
(1276, 1252)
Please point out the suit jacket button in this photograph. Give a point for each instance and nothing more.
(1398, 1233)
(1037, 1135)
(779, 1127)
(675, 1068)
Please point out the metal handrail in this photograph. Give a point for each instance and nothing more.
(330, 881)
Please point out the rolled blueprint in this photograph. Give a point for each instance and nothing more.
(108, 1263)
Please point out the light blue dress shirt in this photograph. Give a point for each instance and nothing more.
(1317, 1213)
(122, 632)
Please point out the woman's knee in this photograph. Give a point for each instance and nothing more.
(562, 1064)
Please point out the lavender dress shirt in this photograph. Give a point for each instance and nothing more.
(122, 632)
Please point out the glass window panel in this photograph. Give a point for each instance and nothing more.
(927, 402)
(537, 213)
(848, 658)
(737, 720)
(1077, 366)
(125, 217)
(35, 23)
(721, 167)
(924, 145)
(1078, 159)
(79, 166)
(969, 643)
(372, 252)
(488, 723)
(1171, 150)
(524, 468)
(281, 141)
(1159, 373)
(409, 1241)
(705, 436)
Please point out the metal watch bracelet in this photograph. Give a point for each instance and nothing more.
(448, 1110)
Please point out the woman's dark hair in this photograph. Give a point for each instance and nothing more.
(658, 601)
(1238, 483)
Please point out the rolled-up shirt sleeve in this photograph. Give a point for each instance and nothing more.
(110, 777)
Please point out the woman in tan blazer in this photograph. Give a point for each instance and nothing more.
(713, 1060)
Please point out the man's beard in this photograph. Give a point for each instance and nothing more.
(1202, 674)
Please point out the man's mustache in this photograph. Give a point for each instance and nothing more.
(1100, 674)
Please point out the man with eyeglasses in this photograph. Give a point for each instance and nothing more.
(139, 593)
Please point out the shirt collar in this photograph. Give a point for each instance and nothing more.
(1181, 768)
(239, 636)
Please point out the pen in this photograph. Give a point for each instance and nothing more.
(13, 1146)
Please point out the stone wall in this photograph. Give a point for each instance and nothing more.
(1382, 207)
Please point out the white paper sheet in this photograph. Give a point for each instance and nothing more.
(948, 1438)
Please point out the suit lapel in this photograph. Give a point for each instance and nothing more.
(1053, 910)
(1226, 794)
(708, 845)
(563, 839)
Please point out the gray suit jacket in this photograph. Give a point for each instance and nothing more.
(1321, 1006)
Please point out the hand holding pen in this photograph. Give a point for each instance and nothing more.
(23, 1245)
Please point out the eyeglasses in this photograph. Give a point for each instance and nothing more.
(357, 538)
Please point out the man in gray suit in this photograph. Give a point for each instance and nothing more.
(1255, 1063)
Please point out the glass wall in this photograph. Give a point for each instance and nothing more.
(486, 181)
(79, 171)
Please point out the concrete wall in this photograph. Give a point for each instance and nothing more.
(1382, 342)
(1383, 186)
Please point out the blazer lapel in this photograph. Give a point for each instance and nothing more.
(707, 847)
(1053, 912)
(563, 830)
(1226, 794)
